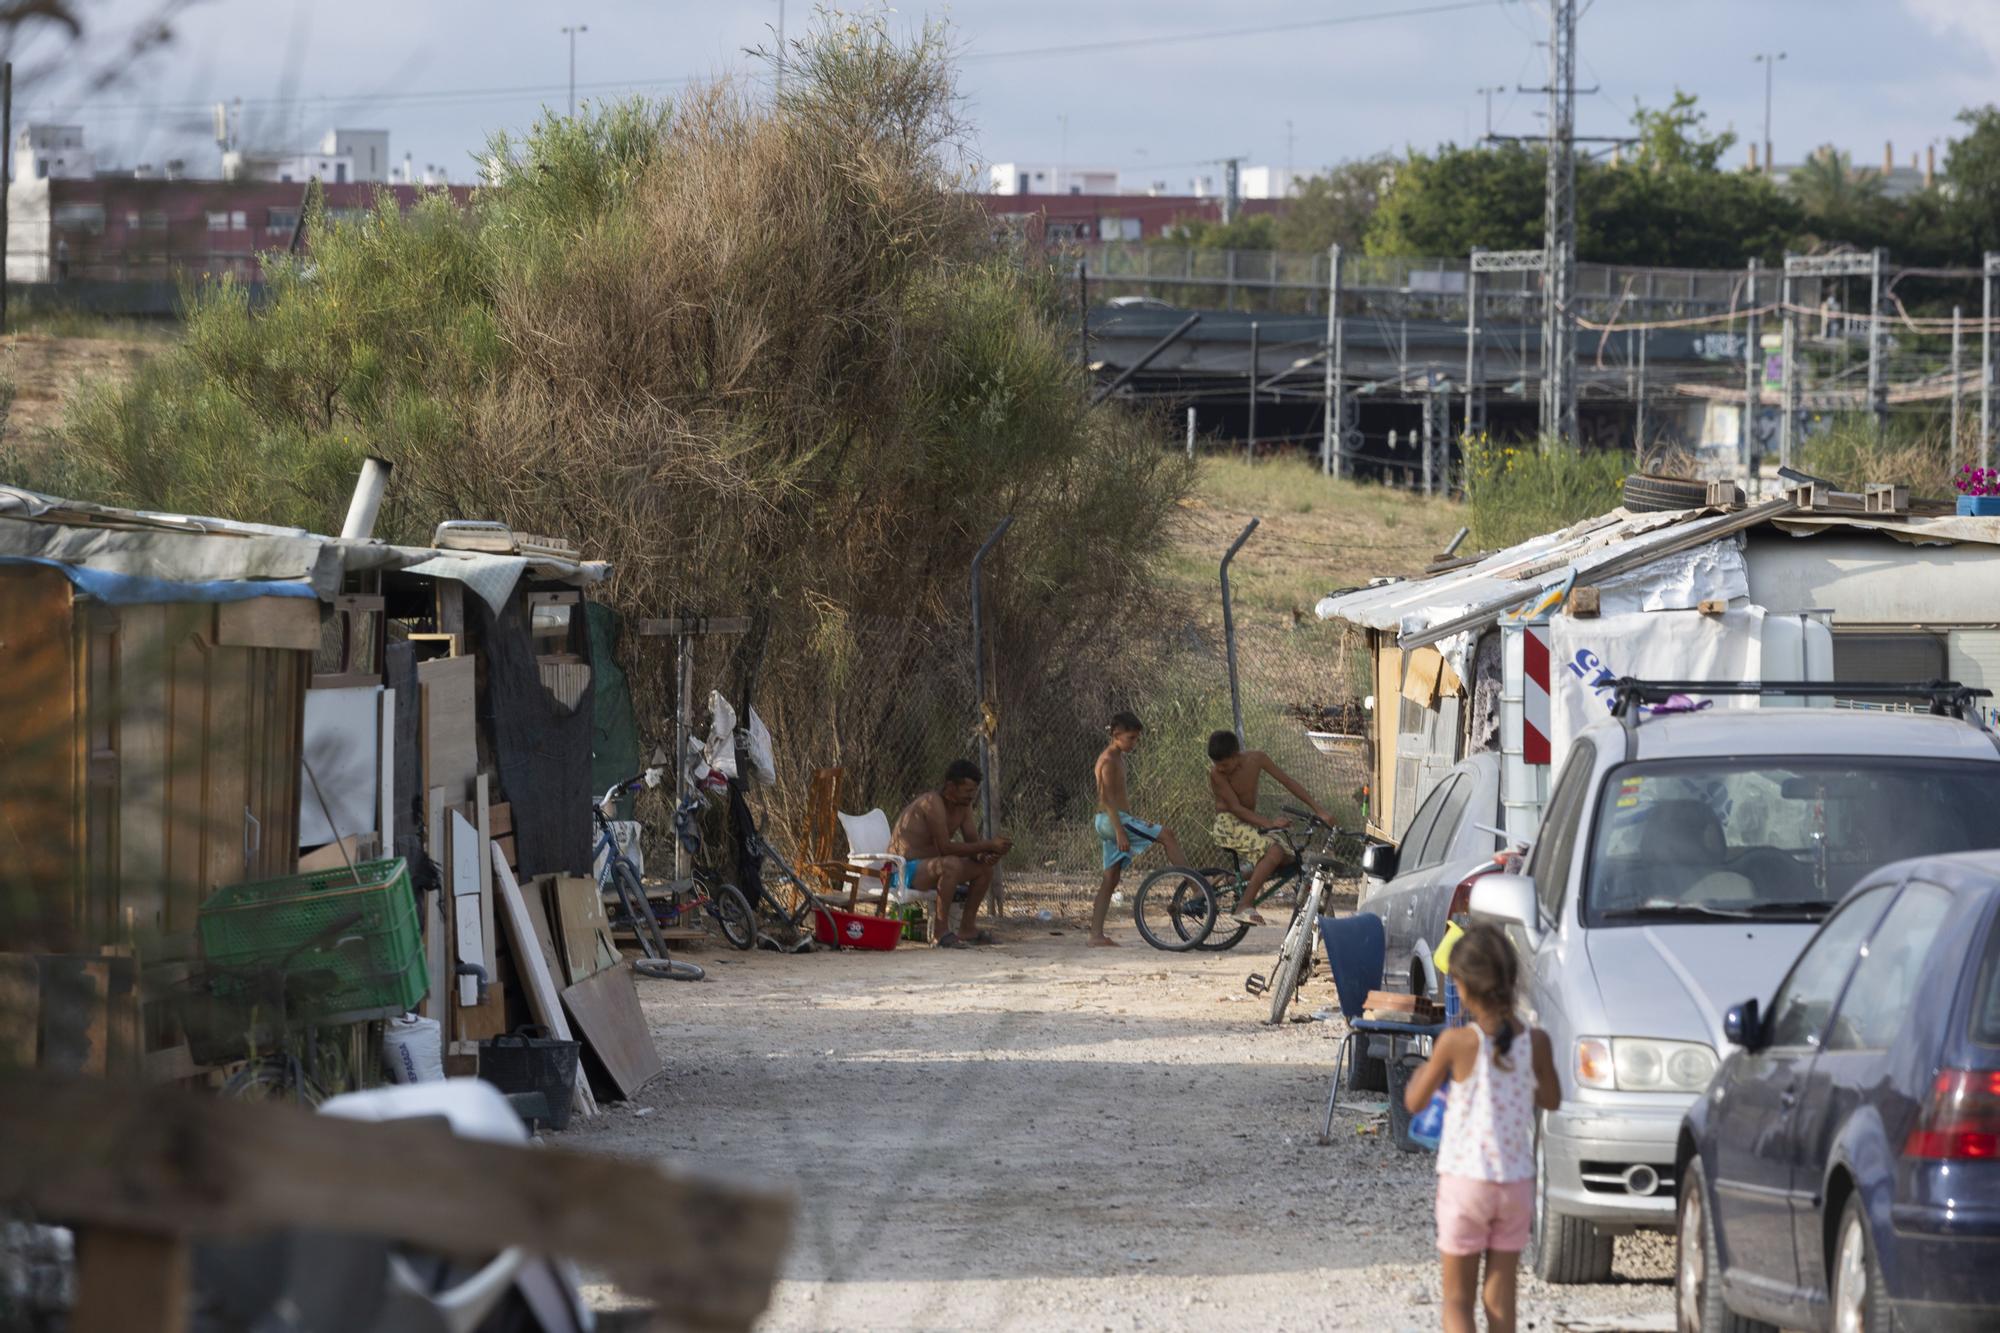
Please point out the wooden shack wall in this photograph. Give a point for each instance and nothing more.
(151, 756)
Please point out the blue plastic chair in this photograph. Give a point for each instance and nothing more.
(1356, 949)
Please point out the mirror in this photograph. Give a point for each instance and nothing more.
(1740, 1025)
(1508, 900)
(1378, 861)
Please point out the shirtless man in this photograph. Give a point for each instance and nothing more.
(933, 863)
(1233, 776)
(1124, 836)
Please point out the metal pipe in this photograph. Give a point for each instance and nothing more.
(1753, 379)
(979, 671)
(1145, 360)
(1337, 381)
(1329, 444)
(361, 510)
(1190, 442)
(1957, 386)
(1229, 625)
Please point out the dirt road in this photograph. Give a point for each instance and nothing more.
(1039, 1135)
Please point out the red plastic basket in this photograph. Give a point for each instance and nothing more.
(849, 930)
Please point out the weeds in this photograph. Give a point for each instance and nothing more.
(1518, 491)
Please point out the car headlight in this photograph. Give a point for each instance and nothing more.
(1640, 1064)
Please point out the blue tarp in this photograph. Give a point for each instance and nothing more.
(138, 590)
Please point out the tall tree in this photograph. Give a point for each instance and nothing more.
(1972, 170)
(1337, 205)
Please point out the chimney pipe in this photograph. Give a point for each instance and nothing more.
(360, 524)
(1888, 157)
(1930, 166)
(1753, 158)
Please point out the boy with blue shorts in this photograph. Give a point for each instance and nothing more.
(1124, 835)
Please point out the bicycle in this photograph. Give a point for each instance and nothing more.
(1193, 903)
(638, 909)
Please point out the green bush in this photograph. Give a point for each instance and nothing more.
(1518, 491)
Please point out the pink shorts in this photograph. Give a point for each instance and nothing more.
(1478, 1215)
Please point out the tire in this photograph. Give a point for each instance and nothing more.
(1567, 1249)
(1174, 909)
(632, 891)
(1295, 955)
(732, 912)
(1647, 493)
(1227, 934)
(1858, 1297)
(668, 969)
(1698, 1306)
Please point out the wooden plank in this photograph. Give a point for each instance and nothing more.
(357, 847)
(171, 1064)
(269, 622)
(507, 850)
(607, 1014)
(142, 766)
(188, 829)
(226, 789)
(436, 934)
(40, 759)
(544, 1000)
(483, 819)
(165, 1159)
(450, 725)
(75, 1036)
(20, 1011)
(501, 818)
(539, 917)
(130, 1281)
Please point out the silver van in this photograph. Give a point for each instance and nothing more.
(1682, 863)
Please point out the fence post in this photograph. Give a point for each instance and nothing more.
(1250, 448)
(1229, 625)
(1190, 442)
(1334, 430)
(1957, 388)
(1753, 379)
(1788, 418)
(988, 718)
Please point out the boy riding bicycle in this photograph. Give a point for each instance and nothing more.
(1233, 777)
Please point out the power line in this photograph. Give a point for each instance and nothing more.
(1222, 34)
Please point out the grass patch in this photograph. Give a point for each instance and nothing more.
(1851, 454)
(67, 322)
(1520, 491)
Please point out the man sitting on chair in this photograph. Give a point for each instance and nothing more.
(934, 863)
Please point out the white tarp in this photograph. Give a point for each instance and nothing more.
(342, 732)
(1587, 655)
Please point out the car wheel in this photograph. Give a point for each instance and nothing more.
(1860, 1297)
(1567, 1249)
(1698, 1306)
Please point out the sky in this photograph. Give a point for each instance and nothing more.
(1159, 90)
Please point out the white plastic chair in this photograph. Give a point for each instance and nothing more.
(868, 839)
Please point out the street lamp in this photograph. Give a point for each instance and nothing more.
(571, 32)
(1769, 60)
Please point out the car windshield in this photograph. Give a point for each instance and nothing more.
(1772, 838)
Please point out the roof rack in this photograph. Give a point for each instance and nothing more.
(1947, 698)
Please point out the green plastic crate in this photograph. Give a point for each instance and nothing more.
(372, 967)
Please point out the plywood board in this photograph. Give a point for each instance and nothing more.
(436, 932)
(544, 1001)
(607, 1014)
(539, 917)
(451, 739)
(586, 932)
(337, 855)
(385, 780)
(343, 755)
(20, 1011)
(269, 622)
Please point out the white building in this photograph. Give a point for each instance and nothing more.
(46, 152)
(1044, 178)
(1269, 183)
(344, 156)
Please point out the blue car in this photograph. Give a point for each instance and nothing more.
(1842, 1171)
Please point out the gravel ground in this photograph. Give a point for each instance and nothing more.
(1041, 1135)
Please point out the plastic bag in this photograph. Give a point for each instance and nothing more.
(720, 752)
(1427, 1125)
(413, 1050)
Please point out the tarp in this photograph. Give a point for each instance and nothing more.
(1587, 655)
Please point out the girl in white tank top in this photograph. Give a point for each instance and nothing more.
(1501, 1071)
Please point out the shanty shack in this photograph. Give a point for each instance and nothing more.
(1515, 650)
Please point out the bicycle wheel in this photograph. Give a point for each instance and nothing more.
(1228, 893)
(668, 969)
(273, 1078)
(731, 911)
(1295, 955)
(1174, 909)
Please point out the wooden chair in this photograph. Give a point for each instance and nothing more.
(820, 852)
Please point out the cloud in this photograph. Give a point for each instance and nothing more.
(1976, 19)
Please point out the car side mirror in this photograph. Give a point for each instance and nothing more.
(1378, 861)
(1508, 900)
(1742, 1025)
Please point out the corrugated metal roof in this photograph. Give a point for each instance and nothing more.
(1424, 610)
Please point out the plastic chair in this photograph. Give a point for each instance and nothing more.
(1356, 948)
(868, 858)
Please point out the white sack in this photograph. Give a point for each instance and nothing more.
(721, 750)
